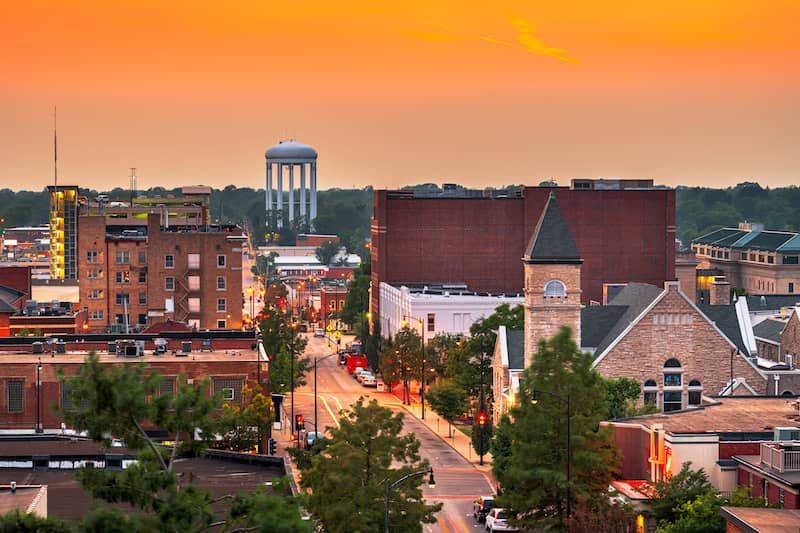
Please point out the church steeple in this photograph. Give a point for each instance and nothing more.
(552, 280)
(552, 241)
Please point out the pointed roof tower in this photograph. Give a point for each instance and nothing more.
(552, 241)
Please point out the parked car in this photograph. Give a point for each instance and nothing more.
(369, 380)
(358, 370)
(343, 359)
(311, 438)
(481, 507)
(319, 332)
(363, 375)
(496, 521)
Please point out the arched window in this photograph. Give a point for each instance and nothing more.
(787, 393)
(695, 392)
(650, 392)
(673, 386)
(672, 363)
(554, 289)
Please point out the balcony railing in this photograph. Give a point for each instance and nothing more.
(780, 457)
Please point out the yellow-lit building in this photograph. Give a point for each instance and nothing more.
(63, 231)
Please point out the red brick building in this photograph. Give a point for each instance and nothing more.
(153, 272)
(331, 302)
(478, 239)
(227, 369)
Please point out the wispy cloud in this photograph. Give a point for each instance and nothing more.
(526, 39)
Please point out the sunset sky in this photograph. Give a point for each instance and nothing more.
(393, 93)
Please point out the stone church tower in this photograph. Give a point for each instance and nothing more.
(552, 280)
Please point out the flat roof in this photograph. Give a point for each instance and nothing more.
(735, 414)
(753, 519)
(23, 498)
(78, 357)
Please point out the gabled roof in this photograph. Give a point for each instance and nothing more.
(724, 317)
(635, 298)
(769, 330)
(552, 240)
(516, 349)
(765, 240)
(597, 321)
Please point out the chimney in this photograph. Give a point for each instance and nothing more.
(13, 487)
(720, 291)
(686, 273)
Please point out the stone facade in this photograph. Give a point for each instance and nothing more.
(674, 329)
(544, 315)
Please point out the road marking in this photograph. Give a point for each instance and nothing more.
(333, 416)
(335, 399)
(442, 524)
(461, 522)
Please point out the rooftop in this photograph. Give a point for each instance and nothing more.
(759, 520)
(78, 357)
(23, 498)
(736, 414)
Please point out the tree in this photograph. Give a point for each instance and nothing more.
(119, 401)
(685, 486)
(601, 516)
(18, 522)
(326, 251)
(448, 400)
(348, 478)
(280, 341)
(621, 397)
(534, 474)
(241, 425)
(356, 304)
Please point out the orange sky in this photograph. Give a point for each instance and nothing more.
(393, 93)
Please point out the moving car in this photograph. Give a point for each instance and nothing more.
(312, 437)
(496, 521)
(481, 507)
(319, 332)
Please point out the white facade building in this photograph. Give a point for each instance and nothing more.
(442, 310)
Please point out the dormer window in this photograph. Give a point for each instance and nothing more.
(554, 289)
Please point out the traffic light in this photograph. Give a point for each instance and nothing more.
(272, 447)
(482, 419)
(298, 422)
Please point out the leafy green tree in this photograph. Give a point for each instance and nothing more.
(280, 371)
(683, 487)
(326, 251)
(356, 304)
(699, 514)
(500, 447)
(534, 475)
(448, 400)
(119, 401)
(622, 395)
(280, 341)
(18, 522)
(601, 515)
(240, 425)
(347, 480)
(481, 436)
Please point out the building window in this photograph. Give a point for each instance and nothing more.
(791, 287)
(221, 261)
(121, 319)
(672, 401)
(142, 257)
(167, 387)
(94, 257)
(142, 298)
(96, 315)
(169, 283)
(194, 305)
(760, 258)
(221, 286)
(123, 276)
(770, 259)
(122, 298)
(222, 305)
(66, 398)
(695, 392)
(431, 322)
(194, 261)
(95, 273)
(169, 261)
(673, 376)
(781, 497)
(791, 259)
(222, 324)
(142, 319)
(230, 390)
(142, 276)
(96, 294)
(194, 283)
(554, 289)
(650, 392)
(122, 257)
(15, 389)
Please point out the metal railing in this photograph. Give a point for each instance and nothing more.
(778, 457)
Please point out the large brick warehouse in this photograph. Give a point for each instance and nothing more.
(477, 238)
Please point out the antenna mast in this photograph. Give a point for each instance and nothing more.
(133, 183)
(55, 149)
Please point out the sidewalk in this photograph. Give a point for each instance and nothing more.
(460, 442)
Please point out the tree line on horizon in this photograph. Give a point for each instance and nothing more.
(347, 212)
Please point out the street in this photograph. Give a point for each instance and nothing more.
(458, 482)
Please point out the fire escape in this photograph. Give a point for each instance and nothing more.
(182, 297)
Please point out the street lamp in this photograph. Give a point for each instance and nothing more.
(389, 487)
(566, 402)
(293, 328)
(38, 395)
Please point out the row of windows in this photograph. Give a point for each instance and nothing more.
(194, 283)
(660, 319)
(671, 399)
(229, 389)
(123, 257)
(754, 257)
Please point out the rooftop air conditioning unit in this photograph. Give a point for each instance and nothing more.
(787, 433)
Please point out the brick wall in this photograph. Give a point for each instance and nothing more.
(728, 449)
(790, 339)
(703, 352)
(621, 235)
